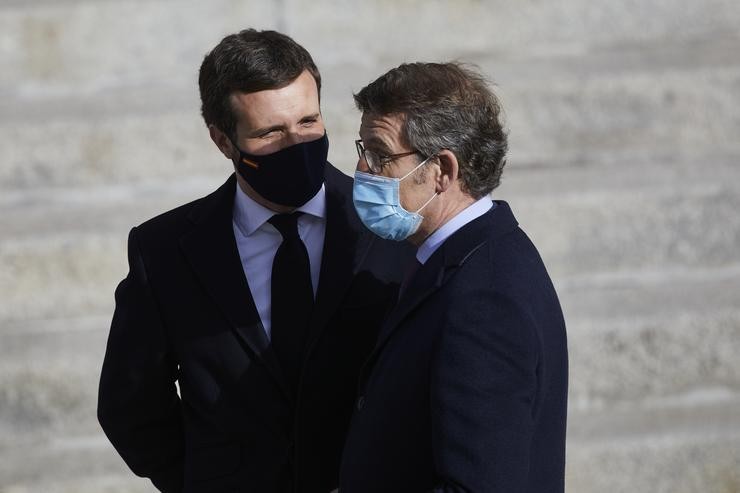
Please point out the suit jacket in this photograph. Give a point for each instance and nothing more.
(185, 314)
(466, 390)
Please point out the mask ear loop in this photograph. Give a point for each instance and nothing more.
(407, 174)
(426, 203)
(417, 167)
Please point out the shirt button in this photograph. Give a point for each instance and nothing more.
(360, 402)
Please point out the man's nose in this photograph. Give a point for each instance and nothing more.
(293, 138)
(362, 165)
(299, 135)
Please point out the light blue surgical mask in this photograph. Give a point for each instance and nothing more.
(377, 201)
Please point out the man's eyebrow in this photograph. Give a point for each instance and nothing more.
(376, 144)
(263, 130)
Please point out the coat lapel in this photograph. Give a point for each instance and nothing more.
(345, 246)
(442, 265)
(427, 280)
(211, 249)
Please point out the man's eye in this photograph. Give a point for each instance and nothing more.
(308, 122)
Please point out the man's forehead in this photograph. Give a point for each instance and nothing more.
(374, 122)
(386, 129)
(289, 103)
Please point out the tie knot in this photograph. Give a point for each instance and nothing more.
(286, 224)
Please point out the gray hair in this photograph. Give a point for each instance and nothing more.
(445, 106)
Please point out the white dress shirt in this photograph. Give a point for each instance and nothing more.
(435, 240)
(258, 241)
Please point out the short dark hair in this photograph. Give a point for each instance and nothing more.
(445, 106)
(248, 61)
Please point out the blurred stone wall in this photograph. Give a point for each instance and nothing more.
(624, 120)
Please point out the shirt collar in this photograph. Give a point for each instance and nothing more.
(249, 216)
(435, 240)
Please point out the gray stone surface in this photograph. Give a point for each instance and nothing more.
(624, 169)
(702, 460)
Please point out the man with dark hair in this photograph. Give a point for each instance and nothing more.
(260, 300)
(466, 389)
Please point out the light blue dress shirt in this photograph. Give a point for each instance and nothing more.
(435, 240)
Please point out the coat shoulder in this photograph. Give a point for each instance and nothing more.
(177, 221)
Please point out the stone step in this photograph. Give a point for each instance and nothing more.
(638, 334)
(146, 89)
(498, 27)
(100, 151)
(67, 464)
(65, 250)
(661, 228)
(49, 373)
(602, 103)
(633, 358)
(49, 42)
(93, 44)
(689, 445)
(585, 118)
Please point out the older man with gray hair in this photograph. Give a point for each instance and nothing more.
(466, 389)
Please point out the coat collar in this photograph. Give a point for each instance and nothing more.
(440, 267)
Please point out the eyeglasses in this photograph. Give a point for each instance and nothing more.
(376, 162)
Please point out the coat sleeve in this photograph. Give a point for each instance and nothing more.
(138, 404)
(483, 387)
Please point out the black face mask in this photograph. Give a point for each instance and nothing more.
(290, 176)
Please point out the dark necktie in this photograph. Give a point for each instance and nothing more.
(292, 297)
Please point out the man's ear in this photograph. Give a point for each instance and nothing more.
(223, 143)
(449, 169)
